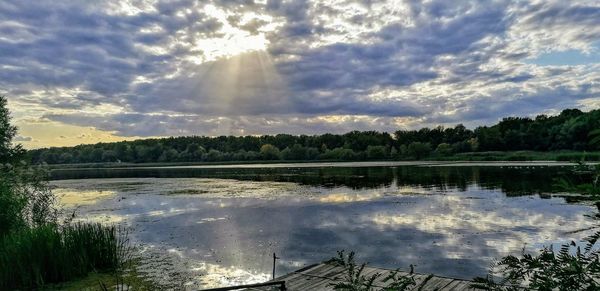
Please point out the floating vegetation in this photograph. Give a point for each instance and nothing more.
(187, 191)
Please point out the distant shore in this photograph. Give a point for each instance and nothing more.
(491, 158)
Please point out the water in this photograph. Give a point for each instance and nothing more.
(227, 221)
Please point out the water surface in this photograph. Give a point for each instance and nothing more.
(450, 220)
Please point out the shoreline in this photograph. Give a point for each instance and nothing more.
(312, 164)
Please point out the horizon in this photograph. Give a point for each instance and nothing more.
(391, 133)
(82, 73)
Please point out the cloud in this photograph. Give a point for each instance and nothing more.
(137, 124)
(20, 138)
(154, 68)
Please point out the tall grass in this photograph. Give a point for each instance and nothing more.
(33, 257)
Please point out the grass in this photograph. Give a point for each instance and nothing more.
(522, 156)
(33, 257)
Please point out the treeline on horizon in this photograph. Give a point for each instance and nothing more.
(572, 130)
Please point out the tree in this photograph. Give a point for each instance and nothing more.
(595, 138)
(169, 155)
(377, 152)
(8, 151)
(443, 149)
(312, 153)
(213, 155)
(25, 196)
(571, 130)
(418, 150)
(269, 152)
(296, 152)
(394, 154)
(339, 154)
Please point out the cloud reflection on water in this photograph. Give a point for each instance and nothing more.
(233, 226)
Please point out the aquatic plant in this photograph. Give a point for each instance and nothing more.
(570, 268)
(354, 280)
(33, 257)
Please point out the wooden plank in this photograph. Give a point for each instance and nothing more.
(318, 283)
(319, 277)
(379, 282)
(304, 282)
(420, 279)
(458, 285)
(328, 270)
(436, 283)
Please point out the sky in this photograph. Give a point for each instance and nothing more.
(97, 71)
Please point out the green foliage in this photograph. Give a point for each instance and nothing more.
(269, 152)
(578, 156)
(34, 249)
(33, 257)
(570, 268)
(571, 130)
(339, 154)
(25, 197)
(354, 280)
(8, 151)
(377, 152)
(444, 149)
(296, 152)
(595, 138)
(418, 150)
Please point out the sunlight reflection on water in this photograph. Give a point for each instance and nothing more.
(452, 224)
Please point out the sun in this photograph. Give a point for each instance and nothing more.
(233, 40)
(234, 44)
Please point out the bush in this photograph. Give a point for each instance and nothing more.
(353, 278)
(571, 268)
(25, 197)
(30, 258)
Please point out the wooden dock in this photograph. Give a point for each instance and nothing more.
(319, 277)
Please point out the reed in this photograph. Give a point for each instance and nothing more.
(33, 257)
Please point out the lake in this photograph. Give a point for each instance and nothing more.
(220, 225)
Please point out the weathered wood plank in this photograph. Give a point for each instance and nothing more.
(320, 277)
(436, 283)
(458, 285)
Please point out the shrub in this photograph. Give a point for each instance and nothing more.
(25, 197)
(571, 268)
(354, 280)
(33, 257)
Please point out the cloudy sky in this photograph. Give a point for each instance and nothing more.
(87, 71)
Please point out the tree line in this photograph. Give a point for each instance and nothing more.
(572, 129)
